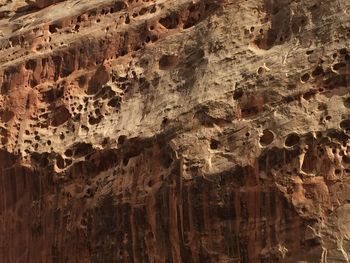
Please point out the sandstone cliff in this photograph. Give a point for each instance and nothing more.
(174, 131)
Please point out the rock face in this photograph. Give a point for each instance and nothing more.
(175, 131)
(42, 3)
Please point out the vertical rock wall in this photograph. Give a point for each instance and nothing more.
(174, 131)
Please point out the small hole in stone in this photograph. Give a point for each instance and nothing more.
(143, 11)
(60, 162)
(345, 124)
(53, 28)
(261, 70)
(305, 77)
(318, 71)
(308, 95)
(68, 153)
(153, 9)
(338, 66)
(214, 144)
(150, 183)
(165, 120)
(267, 138)
(238, 93)
(292, 139)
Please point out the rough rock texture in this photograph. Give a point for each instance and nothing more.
(175, 131)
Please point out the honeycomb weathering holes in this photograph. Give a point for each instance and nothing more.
(214, 144)
(267, 137)
(238, 93)
(60, 162)
(305, 77)
(292, 139)
(170, 22)
(345, 124)
(61, 115)
(68, 153)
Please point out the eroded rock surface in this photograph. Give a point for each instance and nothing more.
(175, 131)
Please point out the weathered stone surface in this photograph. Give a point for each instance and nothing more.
(42, 3)
(175, 131)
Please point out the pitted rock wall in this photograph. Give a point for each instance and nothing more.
(174, 131)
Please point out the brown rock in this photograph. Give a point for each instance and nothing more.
(42, 3)
(174, 131)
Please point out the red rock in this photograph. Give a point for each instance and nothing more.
(174, 131)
